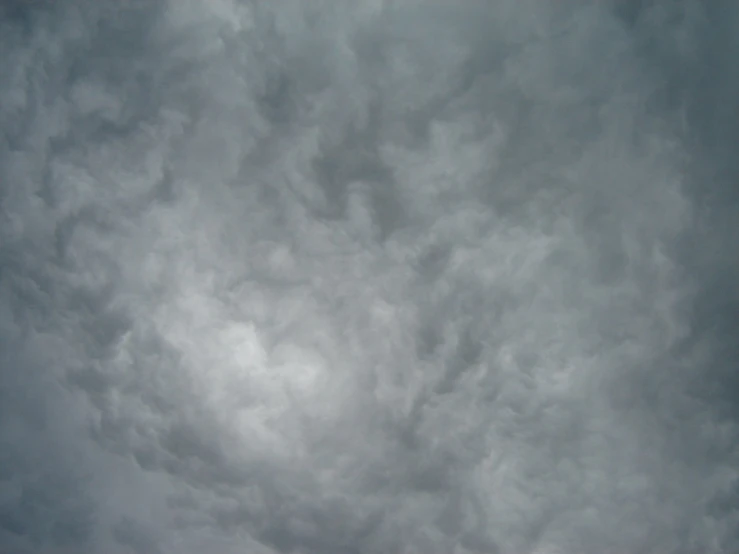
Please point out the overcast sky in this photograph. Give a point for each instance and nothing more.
(369, 277)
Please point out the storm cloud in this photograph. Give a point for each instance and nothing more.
(370, 277)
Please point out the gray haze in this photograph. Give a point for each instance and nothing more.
(369, 277)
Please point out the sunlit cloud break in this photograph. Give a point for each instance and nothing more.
(370, 277)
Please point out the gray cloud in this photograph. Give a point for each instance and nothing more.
(395, 277)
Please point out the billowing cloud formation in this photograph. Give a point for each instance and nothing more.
(369, 277)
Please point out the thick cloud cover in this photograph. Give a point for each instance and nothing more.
(369, 277)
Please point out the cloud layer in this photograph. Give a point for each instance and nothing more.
(371, 277)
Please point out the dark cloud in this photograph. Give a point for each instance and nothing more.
(388, 277)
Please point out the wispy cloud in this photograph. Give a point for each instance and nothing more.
(382, 277)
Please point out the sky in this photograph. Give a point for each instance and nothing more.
(369, 277)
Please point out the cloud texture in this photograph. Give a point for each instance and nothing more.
(327, 277)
